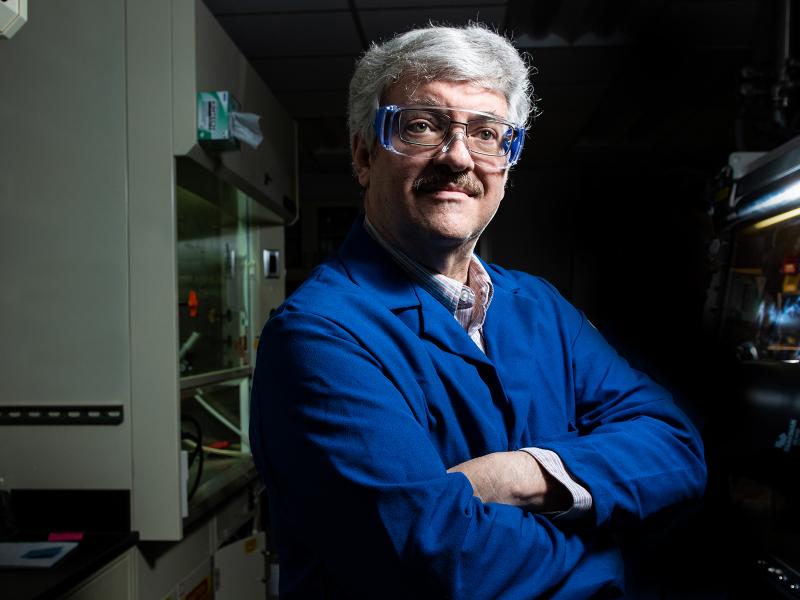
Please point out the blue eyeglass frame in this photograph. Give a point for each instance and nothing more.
(383, 131)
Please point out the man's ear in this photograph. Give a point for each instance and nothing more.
(362, 160)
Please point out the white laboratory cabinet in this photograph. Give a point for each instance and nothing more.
(137, 265)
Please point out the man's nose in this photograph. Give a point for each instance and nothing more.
(454, 152)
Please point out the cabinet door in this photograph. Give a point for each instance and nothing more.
(240, 569)
(113, 581)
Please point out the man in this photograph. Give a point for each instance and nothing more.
(428, 425)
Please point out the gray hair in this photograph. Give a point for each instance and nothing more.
(472, 53)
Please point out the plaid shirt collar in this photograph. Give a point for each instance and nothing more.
(467, 303)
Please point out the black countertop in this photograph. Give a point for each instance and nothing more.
(94, 551)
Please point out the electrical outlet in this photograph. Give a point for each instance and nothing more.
(272, 263)
(13, 15)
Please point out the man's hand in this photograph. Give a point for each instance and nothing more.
(514, 478)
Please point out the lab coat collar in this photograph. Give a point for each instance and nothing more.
(374, 270)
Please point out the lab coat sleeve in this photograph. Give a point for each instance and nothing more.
(354, 476)
(636, 451)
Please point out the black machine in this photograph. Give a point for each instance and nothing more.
(753, 307)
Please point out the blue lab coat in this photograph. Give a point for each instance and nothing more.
(366, 390)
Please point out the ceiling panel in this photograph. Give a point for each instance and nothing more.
(702, 23)
(267, 6)
(293, 34)
(384, 24)
(299, 74)
(427, 4)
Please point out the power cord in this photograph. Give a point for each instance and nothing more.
(197, 452)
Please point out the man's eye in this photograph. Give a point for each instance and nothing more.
(487, 134)
(418, 127)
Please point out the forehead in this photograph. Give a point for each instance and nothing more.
(457, 94)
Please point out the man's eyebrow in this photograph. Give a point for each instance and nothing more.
(427, 101)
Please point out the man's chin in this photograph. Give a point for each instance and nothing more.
(451, 236)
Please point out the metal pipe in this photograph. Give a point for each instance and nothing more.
(784, 19)
(783, 56)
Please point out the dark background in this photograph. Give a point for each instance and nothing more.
(643, 102)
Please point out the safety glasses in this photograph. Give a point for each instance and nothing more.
(423, 132)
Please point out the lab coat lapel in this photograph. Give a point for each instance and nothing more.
(510, 336)
(374, 270)
(439, 326)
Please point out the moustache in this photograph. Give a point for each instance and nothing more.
(437, 180)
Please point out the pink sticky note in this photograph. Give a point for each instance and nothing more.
(65, 536)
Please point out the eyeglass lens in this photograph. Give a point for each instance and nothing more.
(430, 128)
